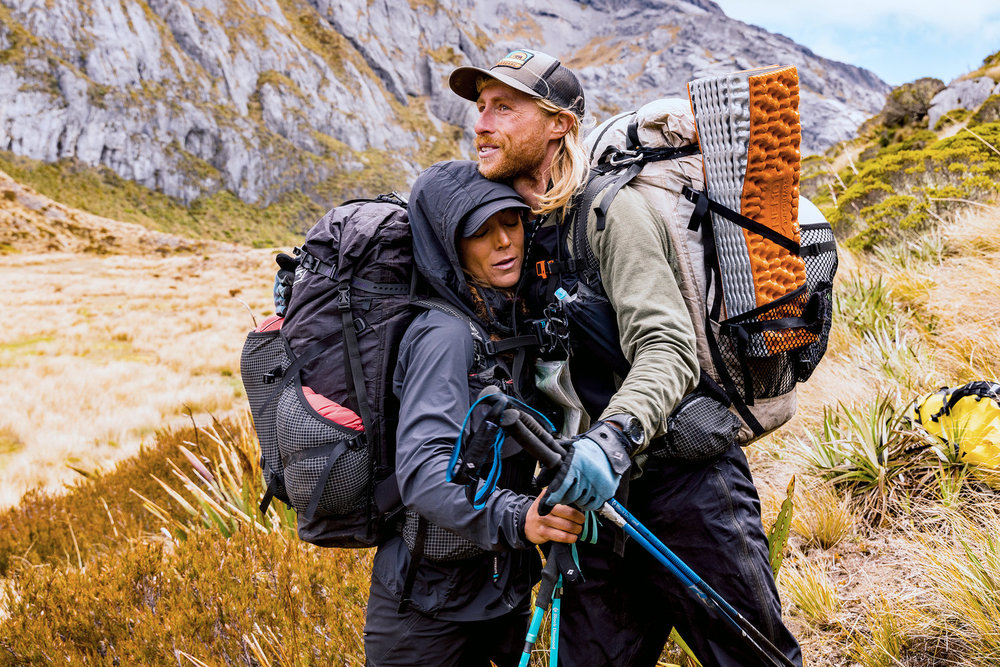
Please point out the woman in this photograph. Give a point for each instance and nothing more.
(453, 588)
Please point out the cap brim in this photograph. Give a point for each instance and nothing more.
(479, 215)
(463, 82)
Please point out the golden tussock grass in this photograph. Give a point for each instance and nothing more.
(104, 350)
(823, 518)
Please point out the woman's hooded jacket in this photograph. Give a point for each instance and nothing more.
(438, 376)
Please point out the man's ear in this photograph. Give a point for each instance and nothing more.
(562, 123)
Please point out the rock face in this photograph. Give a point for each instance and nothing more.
(910, 102)
(963, 94)
(264, 97)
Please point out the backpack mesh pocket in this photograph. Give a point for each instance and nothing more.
(820, 270)
(765, 363)
(440, 544)
(263, 353)
(699, 429)
(321, 457)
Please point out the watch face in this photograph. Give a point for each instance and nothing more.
(632, 428)
(635, 431)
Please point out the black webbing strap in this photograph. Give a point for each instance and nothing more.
(289, 374)
(553, 267)
(272, 488)
(980, 389)
(314, 264)
(632, 134)
(335, 451)
(624, 179)
(354, 370)
(816, 249)
(495, 347)
(492, 347)
(416, 556)
(741, 400)
(383, 289)
(632, 160)
(582, 251)
(703, 204)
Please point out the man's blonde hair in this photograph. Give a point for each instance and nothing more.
(569, 168)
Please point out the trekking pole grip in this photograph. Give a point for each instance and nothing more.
(512, 421)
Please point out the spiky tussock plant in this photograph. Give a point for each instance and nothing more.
(224, 487)
(892, 631)
(809, 588)
(824, 518)
(963, 569)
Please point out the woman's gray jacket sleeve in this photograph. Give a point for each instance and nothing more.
(431, 382)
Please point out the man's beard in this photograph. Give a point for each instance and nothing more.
(512, 160)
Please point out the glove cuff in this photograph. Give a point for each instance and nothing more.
(613, 443)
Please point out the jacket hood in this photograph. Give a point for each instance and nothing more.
(442, 198)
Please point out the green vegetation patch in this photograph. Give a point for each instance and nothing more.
(220, 216)
(905, 181)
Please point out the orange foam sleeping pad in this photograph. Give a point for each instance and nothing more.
(771, 187)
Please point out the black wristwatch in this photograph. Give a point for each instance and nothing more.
(631, 427)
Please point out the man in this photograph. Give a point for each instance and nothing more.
(528, 134)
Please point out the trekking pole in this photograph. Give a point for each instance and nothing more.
(752, 637)
(551, 456)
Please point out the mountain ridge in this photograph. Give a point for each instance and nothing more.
(267, 97)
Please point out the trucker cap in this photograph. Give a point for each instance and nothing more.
(533, 72)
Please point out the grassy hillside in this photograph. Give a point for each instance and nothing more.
(901, 178)
(893, 557)
(222, 216)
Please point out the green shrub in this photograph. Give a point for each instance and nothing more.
(904, 181)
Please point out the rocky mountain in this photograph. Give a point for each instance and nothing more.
(265, 97)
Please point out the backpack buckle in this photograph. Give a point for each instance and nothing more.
(542, 269)
(344, 299)
(273, 374)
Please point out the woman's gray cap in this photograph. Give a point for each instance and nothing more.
(449, 200)
(532, 72)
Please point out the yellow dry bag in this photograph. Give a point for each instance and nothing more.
(967, 418)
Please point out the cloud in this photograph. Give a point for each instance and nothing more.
(964, 17)
(900, 40)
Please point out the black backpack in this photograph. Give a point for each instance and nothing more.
(319, 381)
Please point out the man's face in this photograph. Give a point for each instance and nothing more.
(512, 133)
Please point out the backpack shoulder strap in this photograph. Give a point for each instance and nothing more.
(582, 250)
(483, 347)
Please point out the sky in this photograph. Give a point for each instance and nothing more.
(899, 40)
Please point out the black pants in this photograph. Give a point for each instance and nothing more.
(707, 514)
(413, 639)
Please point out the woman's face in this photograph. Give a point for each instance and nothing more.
(493, 255)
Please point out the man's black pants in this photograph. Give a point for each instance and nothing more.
(709, 515)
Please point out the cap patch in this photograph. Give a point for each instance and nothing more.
(515, 59)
